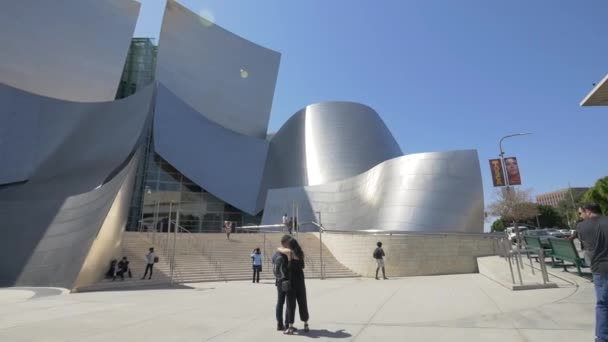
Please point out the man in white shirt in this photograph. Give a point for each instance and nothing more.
(150, 260)
(285, 221)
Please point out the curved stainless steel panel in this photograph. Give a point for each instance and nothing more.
(80, 157)
(440, 191)
(326, 142)
(227, 164)
(73, 50)
(224, 77)
(37, 127)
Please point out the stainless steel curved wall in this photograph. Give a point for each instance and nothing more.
(326, 142)
(79, 157)
(224, 77)
(225, 163)
(73, 50)
(440, 191)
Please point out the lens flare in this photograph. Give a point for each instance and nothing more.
(207, 17)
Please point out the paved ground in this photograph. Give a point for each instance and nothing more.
(442, 308)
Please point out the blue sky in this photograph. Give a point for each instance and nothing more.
(443, 75)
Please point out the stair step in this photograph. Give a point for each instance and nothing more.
(211, 257)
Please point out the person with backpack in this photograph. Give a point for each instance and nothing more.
(379, 256)
(151, 259)
(279, 269)
(256, 260)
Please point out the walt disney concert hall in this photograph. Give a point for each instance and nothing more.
(102, 133)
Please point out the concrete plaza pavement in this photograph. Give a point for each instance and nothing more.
(466, 307)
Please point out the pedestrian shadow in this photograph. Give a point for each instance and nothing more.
(318, 333)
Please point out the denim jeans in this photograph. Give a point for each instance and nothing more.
(600, 282)
(280, 305)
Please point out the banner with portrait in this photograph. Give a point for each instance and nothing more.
(498, 176)
(512, 171)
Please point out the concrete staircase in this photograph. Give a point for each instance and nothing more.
(212, 257)
(226, 260)
(135, 246)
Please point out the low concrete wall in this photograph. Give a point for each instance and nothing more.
(411, 255)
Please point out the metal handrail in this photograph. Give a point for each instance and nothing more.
(403, 232)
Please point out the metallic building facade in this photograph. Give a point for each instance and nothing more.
(222, 76)
(70, 50)
(325, 142)
(187, 133)
(71, 175)
(437, 191)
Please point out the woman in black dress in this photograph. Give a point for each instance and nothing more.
(297, 291)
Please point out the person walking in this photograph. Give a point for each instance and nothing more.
(256, 259)
(279, 269)
(379, 256)
(285, 222)
(227, 229)
(593, 233)
(295, 286)
(151, 258)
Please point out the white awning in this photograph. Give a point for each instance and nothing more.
(598, 96)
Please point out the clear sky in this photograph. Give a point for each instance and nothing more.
(442, 74)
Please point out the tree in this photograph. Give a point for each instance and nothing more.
(548, 217)
(514, 205)
(598, 194)
(498, 225)
(568, 207)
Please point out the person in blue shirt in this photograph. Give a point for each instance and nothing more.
(256, 259)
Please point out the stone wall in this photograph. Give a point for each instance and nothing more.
(411, 255)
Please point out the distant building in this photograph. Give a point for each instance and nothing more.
(554, 198)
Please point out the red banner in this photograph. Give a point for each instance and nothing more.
(512, 171)
(498, 176)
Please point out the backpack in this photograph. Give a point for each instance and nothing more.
(277, 264)
(378, 253)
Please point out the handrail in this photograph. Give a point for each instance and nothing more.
(261, 226)
(405, 232)
(320, 227)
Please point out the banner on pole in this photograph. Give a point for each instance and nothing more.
(498, 176)
(512, 171)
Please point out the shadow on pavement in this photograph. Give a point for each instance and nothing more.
(317, 333)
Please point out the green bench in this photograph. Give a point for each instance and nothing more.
(533, 244)
(564, 250)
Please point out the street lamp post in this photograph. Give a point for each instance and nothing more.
(506, 178)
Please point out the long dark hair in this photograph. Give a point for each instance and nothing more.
(296, 249)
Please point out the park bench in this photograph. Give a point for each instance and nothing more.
(533, 244)
(565, 250)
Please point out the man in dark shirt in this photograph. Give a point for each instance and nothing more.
(379, 256)
(279, 268)
(593, 233)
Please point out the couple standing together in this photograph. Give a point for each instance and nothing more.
(288, 269)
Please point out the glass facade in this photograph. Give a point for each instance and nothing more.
(139, 67)
(160, 191)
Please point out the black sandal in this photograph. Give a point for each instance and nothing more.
(306, 328)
